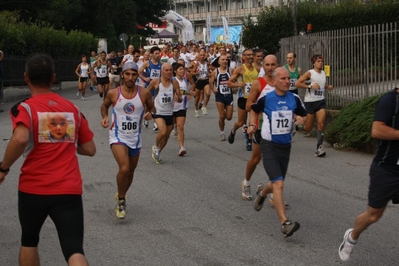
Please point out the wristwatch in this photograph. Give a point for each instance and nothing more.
(4, 170)
(309, 86)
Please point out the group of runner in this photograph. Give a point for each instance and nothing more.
(159, 89)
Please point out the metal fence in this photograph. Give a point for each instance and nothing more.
(14, 70)
(363, 61)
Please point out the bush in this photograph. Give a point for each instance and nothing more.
(19, 38)
(351, 128)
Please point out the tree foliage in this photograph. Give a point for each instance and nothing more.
(274, 23)
(102, 18)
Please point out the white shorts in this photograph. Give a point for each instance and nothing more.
(115, 78)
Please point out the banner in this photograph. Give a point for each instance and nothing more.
(208, 28)
(226, 30)
(217, 34)
(181, 23)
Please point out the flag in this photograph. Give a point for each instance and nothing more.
(226, 30)
(208, 28)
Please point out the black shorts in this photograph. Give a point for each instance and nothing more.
(314, 107)
(201, 83)
(103, 81)
(66, 211)
(168, 119)
(384, 186)
(275, 159)
(180, 113)
(226, 100)
(81, 80)
(257, 137)
(241, 102)
(294, 91)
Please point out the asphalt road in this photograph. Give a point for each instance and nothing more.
(189, 210)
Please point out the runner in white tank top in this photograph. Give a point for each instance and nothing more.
(128, 103)
(314, 100)
(167, 91)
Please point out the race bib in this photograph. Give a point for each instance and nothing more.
(166, 99)
(281, 122)
(128, 125)
(224, 90)
(155, 73)
(292, 84)
(247, 88)
(319, 93)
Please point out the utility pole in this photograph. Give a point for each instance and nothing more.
(280, 3)
(294, 15)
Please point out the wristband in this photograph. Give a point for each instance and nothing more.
(4, 170)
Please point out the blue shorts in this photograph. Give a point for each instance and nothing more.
(132, 152)
(226, 100)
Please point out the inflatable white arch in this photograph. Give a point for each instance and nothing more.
(181, 23)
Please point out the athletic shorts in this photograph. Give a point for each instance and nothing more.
(384, 186)
(275, 159)
(103, 81)
(66, 211)
(132, 152)
(257, 137)
(201, 83)
(180, 113)
(314, 107)
(294, 91)
(241, 102)
(168, 119)
(81, 80)
(226, 100)
(115, 77)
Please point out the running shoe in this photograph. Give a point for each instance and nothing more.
(155, 128)
(196, 114)
(204, 111)
(258, 203)
(346, 248)
(222, 137)
(288, 228)
(120, 208)
(246, 191)
(231, 137)
(319, 152)
(145, 123)
(249, 144)
(155, 155)
(272, 201)
(182, 151)
(101, 95)
(77, 94)
(83, 98)
(174, 132)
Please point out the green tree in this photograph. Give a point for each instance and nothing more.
(272, 24)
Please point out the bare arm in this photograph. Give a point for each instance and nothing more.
(212, 81)
(141, 70)
(15, 148)
(253, 95)
(176, 88)
(232, 80)
(105, 106)
(88, 148)
(380, 130)
(300, 83)
(77, 70)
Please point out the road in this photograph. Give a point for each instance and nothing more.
(189, 210)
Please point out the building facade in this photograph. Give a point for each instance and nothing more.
(196, 11)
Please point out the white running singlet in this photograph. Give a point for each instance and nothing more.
(316, 95)
(164, 100)
(127, 116)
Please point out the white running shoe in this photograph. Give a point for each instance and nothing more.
(182, 151)
(174, 132)
(83, 98)
(77, 94)
(246, 191)
(222, 137)
(346, 248)
(155, 128)
(145, 123)
(155, 155)
(196, 114)
(204, 111)
(319, 152)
